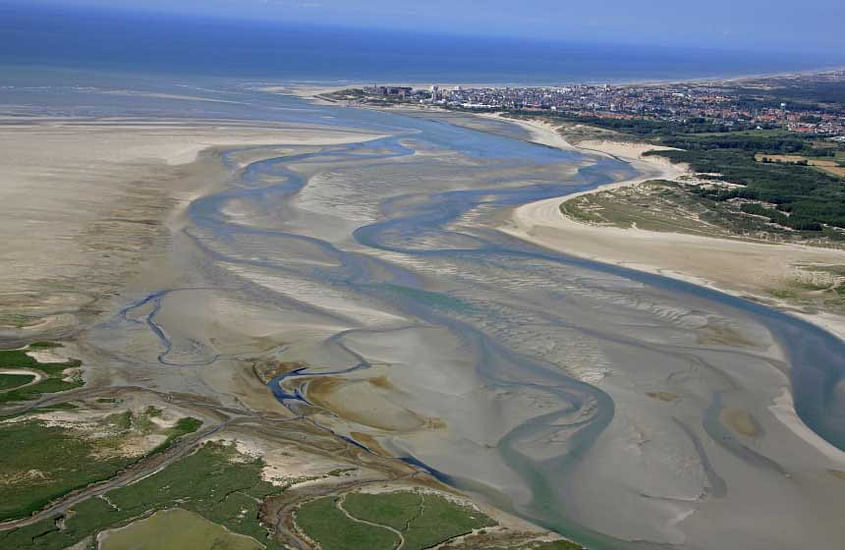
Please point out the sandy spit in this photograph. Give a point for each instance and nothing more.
(740, 268)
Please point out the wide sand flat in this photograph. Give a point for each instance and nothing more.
(585, 400)
(738, 267)
(83, 202)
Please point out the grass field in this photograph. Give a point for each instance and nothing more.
(176, 529)
(9, 381)
(678, 208)
(29, 393)
(832, 166)
(56, 381)
(651, 206)
(322, 521)
(441, 520)
(216, 482)
(47, 463)
(812, 196)
(16, 358)
(51, 460)
(397, 509)
(424, 519)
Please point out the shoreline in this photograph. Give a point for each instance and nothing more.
(239, 288)
(313, 89)
(125, 182)
(536, 222)
(531, 221)
(528, 222)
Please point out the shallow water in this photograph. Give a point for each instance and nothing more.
(514, 373)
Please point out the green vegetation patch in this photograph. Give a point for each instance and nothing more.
(660, 205)
(424, 519)
(55, 382)
(44, 345)
(9, 381)
(324, 523)
(441, 520)
(216, 482)
(66, 406)
(656, 205)
(16, 358)
(46, 463)
(183, 426)
(176, 529)
(816, 285)
(806, 198)
(52, 460)
(554, 545)
(641, 127)
(29, 393)
(397, 509)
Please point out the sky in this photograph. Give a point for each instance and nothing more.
(781, 25)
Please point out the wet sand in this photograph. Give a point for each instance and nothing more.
(371, 273)
(741, 268)
(83, 203)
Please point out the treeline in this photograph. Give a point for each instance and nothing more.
(804, 198)
(775, 216)
(645, 127)
(806, 93)
(766, 142)
(811, 198)
(802, 162)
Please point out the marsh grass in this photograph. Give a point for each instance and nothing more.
(424, 519)
(10, 381)
(215, 482)
(321, 520)
(50, 461)
(56, 380)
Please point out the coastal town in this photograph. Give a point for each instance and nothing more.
(761, 103)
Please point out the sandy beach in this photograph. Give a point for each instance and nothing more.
(741, 268)
(340, 297)
(83, 203)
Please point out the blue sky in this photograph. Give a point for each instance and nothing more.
(806, 26)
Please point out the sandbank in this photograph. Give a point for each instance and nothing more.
(83, 201)
(740, 268)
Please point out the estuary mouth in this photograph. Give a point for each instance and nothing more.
(249, 299)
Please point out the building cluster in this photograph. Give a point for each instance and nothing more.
(399, 92)
(717, 103)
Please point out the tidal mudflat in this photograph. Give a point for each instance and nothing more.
(351, 299)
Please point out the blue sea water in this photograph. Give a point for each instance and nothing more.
(158, 44)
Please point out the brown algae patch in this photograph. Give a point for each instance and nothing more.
(664, 396)
(381, 382)
(838, 474)
(740, 421)
(364, 403)
(722, 334)
(265, 370)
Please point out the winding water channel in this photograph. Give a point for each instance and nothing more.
(588, 398)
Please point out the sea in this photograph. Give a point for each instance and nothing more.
(83, 63)
(154, 44)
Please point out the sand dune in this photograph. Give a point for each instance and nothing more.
(742, 268)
